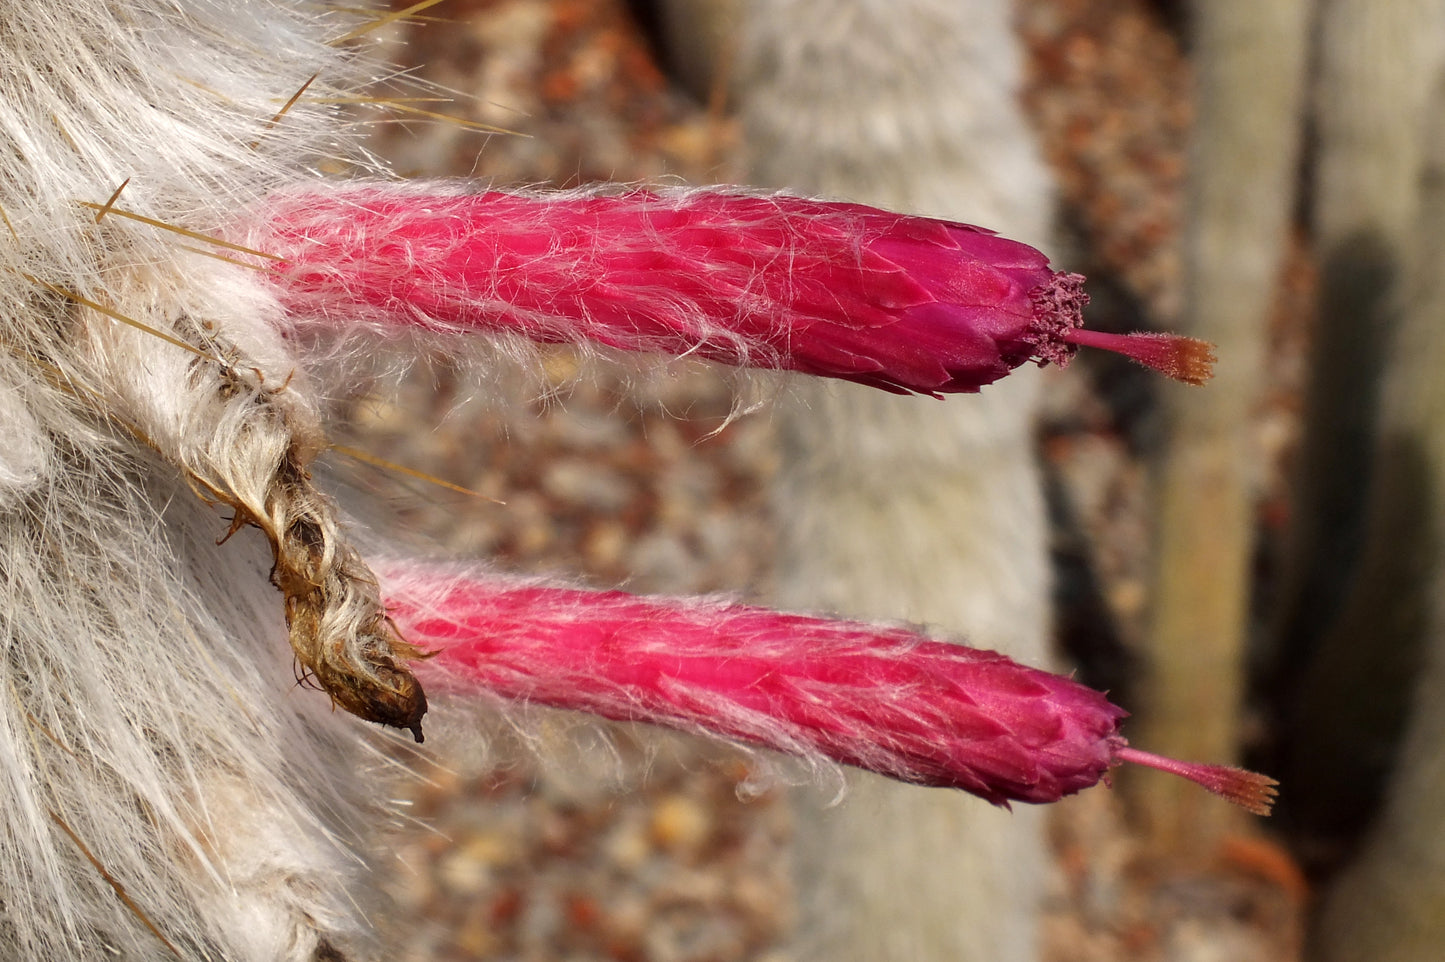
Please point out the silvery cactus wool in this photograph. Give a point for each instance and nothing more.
(184, 292)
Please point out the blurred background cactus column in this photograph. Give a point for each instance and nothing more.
(1364, 723)
(1389, 904)
(1249, 58)
(894, 507)
(1358, 593)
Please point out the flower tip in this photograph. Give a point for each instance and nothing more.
(1251, 791)
(1184, 359)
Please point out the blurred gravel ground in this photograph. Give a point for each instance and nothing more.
(640, 847)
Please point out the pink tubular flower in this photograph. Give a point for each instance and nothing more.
(907, 304)
(884, 699)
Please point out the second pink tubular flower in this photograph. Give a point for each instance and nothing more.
(885, 699)
(907, 304)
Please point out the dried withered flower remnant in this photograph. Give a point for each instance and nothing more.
(902, 303)
(334, 616)
(256, 460)
(884, 699)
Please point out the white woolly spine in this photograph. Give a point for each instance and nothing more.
(168, 788)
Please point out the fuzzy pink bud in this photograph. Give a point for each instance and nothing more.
(837, 290)
(884, 699)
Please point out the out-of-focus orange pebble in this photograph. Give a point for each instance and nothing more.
(1265, 860)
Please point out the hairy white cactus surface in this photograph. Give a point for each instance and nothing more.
(168, 789)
